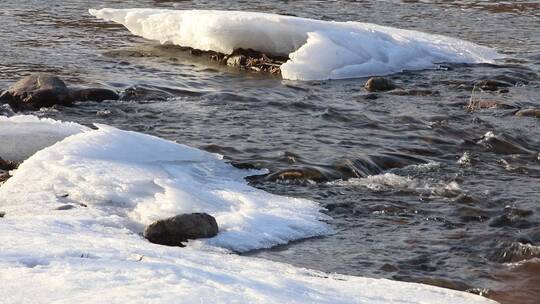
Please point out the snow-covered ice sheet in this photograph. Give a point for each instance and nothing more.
(95, 253)
(141, 178)
(317, 49)
(21, 136)
(56, 259)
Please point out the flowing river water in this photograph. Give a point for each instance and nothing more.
(420, 189)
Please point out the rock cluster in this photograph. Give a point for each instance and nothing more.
(248, 59)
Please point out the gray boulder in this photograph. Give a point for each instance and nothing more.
(175, 230)
(43, 90)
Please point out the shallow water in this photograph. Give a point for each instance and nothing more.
(438, 194)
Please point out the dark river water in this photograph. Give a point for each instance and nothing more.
(420, 189)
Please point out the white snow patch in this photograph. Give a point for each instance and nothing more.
(56, 258)
(21, 136)
(140, 179)
(318, 50)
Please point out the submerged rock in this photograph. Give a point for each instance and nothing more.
(175, 230)
(515, 252)
(92, 94)
(43, 90)
(379, 84)
(7, 165)
(415, 93)
(492, 84)
(302, 174)
(140, 93)
(532, 112)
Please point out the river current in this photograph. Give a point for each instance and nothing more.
(419, 188)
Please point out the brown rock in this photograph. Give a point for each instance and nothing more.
(379, 84)
(532, 112)
(35, 91)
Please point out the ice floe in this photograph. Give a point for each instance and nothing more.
(317, 49)
(141, 179)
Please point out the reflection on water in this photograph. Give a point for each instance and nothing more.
(434, 193)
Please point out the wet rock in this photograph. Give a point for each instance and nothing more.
(477, 104)
(532, 112)
(7, 165)
(370, 96)
(512, 217)
(465, 199)
(379, 84)
(92, 94)
(531, 237)
(492, 84)
(143, 93)
(388, 268)
(178, 229)
(505, 144)
(515, 252)
(4, 176)
(2, 214)
(36, 91)
(43, 90)
(196, 52)
(303, 174)
(471, 214)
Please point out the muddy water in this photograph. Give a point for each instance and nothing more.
(420, 189)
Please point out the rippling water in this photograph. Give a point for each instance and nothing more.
(419, 188)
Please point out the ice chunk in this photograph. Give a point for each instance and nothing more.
(141, 179)
(317, 49)
(21, 136)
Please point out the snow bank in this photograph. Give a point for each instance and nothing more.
(117, 181)
(22, 136)
(317, 49)
(141, 179)
(56, 259)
